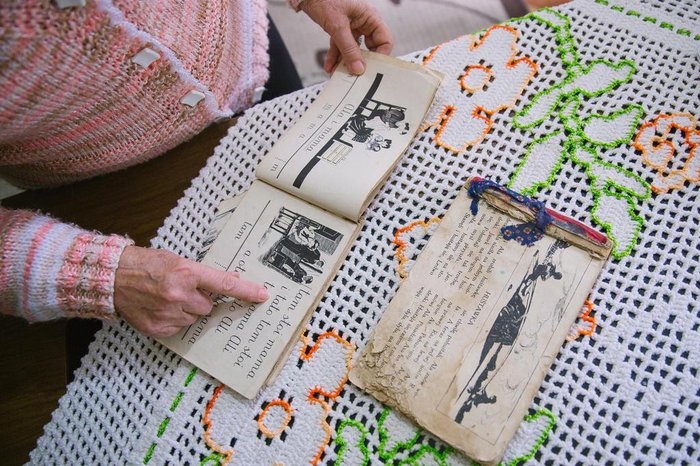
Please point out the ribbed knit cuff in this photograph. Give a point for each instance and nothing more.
(85, 282)
(50, 269)
(295, 4)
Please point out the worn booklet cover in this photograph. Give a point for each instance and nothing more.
(466, 342)
(296, 223)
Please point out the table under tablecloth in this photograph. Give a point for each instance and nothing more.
(591, 108)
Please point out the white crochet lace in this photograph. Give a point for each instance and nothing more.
(628, 393)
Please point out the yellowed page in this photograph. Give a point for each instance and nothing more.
(224, 211)
(345, 144)
(464, 345)
(291, 247)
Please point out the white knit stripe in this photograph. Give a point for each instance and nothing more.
(117, 19)
(21, 241)
(48, 259)
(245, 79)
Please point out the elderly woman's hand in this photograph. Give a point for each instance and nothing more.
(345, 21)
(159, 292)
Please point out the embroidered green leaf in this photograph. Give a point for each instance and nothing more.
(616, 214)
(542, 105)
(542, 415)
(351, 436)
(583, 154)
(598, 78)
(614, 192)
(360, 455)
(541, 164)
(552, 18)
(605, 175)
(385, 438)
(569, 114)
(438, 457)
(215, 459)
(614, 129)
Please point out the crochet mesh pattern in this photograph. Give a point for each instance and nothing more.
(689, 11)
(627, 394)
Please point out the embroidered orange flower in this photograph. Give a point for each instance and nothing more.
(655, 140)
(402, 240)
(297, 417)
(282, 411)
(585, 324)
(482, 77)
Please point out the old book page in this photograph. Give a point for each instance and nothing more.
(293, 248)
(342, 148)
(465, 344)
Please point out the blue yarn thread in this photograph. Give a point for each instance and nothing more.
(526, 233)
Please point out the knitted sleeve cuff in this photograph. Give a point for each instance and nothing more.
(295, 4)
(51, 269)
(85, 282)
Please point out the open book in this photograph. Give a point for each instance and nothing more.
(294, 226)
(466, 342)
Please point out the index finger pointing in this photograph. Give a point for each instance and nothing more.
(230, 284)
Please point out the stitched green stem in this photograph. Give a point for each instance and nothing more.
(164, 423)
(648, 19)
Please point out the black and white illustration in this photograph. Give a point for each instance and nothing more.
(372, 126)
(507, 333)
(302, 248)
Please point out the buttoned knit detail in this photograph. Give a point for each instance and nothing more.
(74, 103)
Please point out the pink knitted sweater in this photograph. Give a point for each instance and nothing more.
(93, 86)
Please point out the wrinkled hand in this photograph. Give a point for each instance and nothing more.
(345, 21)
(158, 292)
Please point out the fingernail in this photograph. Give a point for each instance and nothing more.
(357, 67)
(263, 295)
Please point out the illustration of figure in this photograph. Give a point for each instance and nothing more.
(302, 241)
(291, 268)
(298, 252)
(370, 130)
(505, 332)
(377, 142)
(371, 117)
(379, 120)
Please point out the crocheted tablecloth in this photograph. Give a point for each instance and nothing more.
(591, 108)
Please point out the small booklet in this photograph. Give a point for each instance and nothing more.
(294, 226)
(466, 342)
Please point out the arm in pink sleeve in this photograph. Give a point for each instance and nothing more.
(50, 269)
